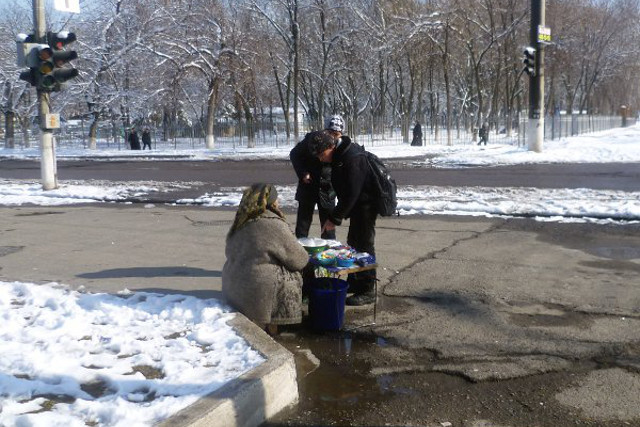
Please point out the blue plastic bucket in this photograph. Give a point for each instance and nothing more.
(326, 303)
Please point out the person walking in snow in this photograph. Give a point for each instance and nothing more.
(134, 141)
(146, 138)
(417, 135)
(483, 133)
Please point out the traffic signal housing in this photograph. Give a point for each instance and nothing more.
(48, 61)
(530, 61)
(62, 57)
(39, 58)
(29, 76)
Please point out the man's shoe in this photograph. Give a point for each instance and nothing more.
(361, 299)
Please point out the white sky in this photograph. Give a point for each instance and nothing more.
(57, 341)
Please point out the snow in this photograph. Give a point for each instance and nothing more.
(621, 145)
(70, 358)
(119, 360)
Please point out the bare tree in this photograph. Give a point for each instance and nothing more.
(16, 102)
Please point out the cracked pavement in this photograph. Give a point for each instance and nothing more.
(494, 300)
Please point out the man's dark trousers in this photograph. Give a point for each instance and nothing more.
(361, 237)
(304, 218)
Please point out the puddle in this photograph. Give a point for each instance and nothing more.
(341, 378)
(387, 383)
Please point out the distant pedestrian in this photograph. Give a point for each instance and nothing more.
(146, 138)
(134, 141)
(417, 135)
(483, 133)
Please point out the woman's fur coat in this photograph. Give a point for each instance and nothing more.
(261, 277)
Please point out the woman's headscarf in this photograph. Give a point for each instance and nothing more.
(255, 201)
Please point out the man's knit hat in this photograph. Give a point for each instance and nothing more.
(334, 122)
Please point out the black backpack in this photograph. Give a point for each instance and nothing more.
(386, 202)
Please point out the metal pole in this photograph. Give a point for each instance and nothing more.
(535, 135)
(47, 154)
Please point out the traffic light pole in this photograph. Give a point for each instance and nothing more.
(48, 170)
(535, 131)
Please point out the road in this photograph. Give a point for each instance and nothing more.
(599, 176)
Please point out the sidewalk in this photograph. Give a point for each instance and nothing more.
(516, 298)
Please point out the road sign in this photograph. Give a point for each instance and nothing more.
(52, 121)
(72, 6)
(544, 34)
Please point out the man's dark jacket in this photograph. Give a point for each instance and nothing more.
(352, 179)
(319, 189)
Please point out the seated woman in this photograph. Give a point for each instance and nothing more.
(261, 276)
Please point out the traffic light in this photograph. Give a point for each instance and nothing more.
(45, 80)
(530, 61)
(62, 57)
(39, 58)
(46, 62)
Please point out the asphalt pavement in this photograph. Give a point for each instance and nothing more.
(479, 321)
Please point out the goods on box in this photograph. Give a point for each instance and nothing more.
(345, 258)
(313, 245)
(342, 257)
(345, 262)
(334, 254)
(326, 257)
(364, 258)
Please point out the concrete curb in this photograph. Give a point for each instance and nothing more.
(253, 397)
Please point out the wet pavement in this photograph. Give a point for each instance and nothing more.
(348, 378)
(520, 324)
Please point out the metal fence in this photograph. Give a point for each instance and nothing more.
(231, 135)
(562, 126)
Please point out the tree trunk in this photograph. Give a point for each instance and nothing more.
(211, 115)
(115, 132)
(24, 124)
(9, 135)
(251, 134)
(447, 87)
(296, 68)
(93, 132)
(436, 135)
